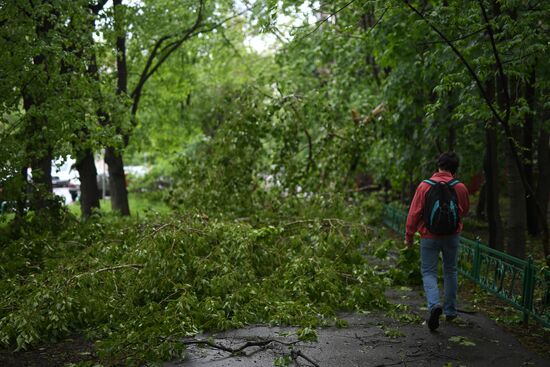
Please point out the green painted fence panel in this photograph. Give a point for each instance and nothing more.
(518, 282)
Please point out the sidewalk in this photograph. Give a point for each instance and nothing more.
(374, 339)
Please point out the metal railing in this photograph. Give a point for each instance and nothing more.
(518, 282)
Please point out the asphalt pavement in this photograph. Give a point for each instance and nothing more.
(371, 339)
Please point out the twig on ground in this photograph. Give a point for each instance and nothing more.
(402, 362)
(348, 276)
(112, 268)
(160, 228)
(157, 230)
(295, 354)
(330, 221)
(154, 231)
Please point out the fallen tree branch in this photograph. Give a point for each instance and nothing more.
(402, 362)
(323, 220)
(112, 268)
(211, 344)
(295, 354)
(248, 344)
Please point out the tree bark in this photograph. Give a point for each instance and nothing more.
(517, 215)
(120, 29)
(368, 21)
(38, 149)
(41, 188)
(451, 138)
(89, 192)
(517, 208)
(543, 152)
(531, 205)
(113, 156)
(22, 194)
(490, 167)
(482, 202)
(117, 181)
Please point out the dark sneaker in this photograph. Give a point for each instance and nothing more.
(450, 317)
(433, 322)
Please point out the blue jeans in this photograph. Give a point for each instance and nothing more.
(429, 255)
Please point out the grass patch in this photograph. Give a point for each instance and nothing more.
(140, 204)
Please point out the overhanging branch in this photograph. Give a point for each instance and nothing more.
(501, 74)
(150, 66)
(161, 51)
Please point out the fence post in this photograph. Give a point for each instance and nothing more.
(477, 262)
(528, 289)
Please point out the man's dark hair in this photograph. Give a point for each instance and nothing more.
(448, 162)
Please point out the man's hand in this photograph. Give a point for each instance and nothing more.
(408, 244)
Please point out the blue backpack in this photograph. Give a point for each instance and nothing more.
(441, 207)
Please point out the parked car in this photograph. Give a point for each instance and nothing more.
(63, 171)
(58, 181)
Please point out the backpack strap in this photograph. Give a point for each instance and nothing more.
(430, 182)
(453, 182)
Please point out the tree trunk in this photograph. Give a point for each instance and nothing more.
(37, 148)
(543, 184)
(517, 208)
(41, 188)
(490, 167)
(113, 156)
(22, 194)
(122, 70)
(39, 154)
(482, 202)
(451, 132)
(367, 22)
(517, 222)
(117, 181)
(451, 138)
(89, 192)
(531, 204)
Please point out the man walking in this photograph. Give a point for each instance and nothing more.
(436, 211)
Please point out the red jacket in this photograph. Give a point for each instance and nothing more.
(415, 223)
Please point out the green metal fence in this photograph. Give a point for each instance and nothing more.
(518, 282)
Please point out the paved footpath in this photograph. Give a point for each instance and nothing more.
(373, 339)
